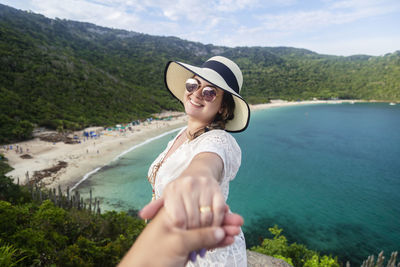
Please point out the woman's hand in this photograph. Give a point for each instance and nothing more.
(230, 224)
(195, 199)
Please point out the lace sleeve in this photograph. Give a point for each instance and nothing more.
(225, 146)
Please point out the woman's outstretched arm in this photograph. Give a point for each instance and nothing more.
(195, 199)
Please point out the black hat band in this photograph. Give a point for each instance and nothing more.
(225, 73)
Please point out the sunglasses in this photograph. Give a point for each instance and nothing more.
(208, 93)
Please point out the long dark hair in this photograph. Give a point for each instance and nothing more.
(220, 119)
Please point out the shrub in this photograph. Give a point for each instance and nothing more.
(10, 256)
(294, 254)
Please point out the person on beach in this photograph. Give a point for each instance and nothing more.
(192, 174)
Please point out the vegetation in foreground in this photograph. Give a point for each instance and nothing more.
(294, 254)
(43, 234)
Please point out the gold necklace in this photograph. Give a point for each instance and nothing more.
(152, 178)
(188, 135)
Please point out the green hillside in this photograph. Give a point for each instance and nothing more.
(64, 74)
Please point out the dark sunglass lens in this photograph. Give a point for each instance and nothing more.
(191, 85)
(209, 94)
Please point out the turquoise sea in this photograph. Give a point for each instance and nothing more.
(328, 174)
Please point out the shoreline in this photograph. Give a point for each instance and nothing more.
(91, 155)
(87, 175)
(87, 157)
(283, 103)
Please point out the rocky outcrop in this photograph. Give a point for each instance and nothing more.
(255, 259)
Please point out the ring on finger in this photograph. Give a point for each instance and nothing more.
(205, 209)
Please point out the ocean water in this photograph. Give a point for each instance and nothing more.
(122, 184)
(329, 175)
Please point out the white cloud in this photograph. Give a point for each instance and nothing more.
(335, 13)
(100, 13)
(230, 6)
(357, 4)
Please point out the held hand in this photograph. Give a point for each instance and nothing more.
(231, 222)
(194, 201)
(153, 247)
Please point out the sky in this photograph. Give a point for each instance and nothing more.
(342, 27)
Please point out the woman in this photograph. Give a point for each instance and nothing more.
(192, 175)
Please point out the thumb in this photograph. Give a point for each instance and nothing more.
(205, 237)
(151, 209)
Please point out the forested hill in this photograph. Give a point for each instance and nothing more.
(67, 75)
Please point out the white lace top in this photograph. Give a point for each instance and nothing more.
(226, 147)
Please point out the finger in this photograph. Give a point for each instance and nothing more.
(206, 214)
(227, 208)
(233, 219)
(193, 256)
(227, 241)
(218, 208)
(175, 210)
(202, 252)
(191, 202)
(151, 209)
(207, 237)
(231, 230)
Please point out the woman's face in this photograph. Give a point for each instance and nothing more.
(197, 108)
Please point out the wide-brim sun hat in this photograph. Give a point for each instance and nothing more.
(218, 71)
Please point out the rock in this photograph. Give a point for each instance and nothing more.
(39, 175)
(255, 259)
(55, 137)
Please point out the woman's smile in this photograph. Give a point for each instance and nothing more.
(196, 104)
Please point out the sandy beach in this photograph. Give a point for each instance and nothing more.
(76, 160)
(81, 158)
(283, 103)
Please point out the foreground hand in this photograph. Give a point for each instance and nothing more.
(161, 244)
(194, 201)
(231, 222)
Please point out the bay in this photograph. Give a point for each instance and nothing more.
(329, 175)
